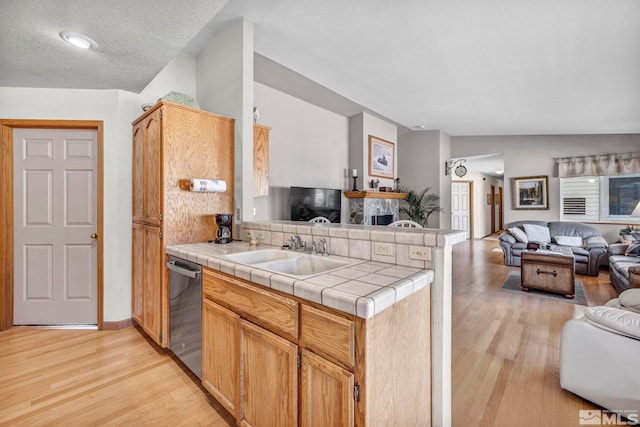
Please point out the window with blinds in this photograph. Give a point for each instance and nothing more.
(604, 198)
(580, 199)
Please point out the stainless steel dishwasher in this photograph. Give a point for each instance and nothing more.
(185, 312)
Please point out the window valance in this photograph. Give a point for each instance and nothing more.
(599, 165)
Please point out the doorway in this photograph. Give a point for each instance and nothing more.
(7, 245)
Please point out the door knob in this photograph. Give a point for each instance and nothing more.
(94, 236)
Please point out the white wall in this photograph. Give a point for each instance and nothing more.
(117, 109)
(179, 75)
(360, 127)
(533, 156)
(308, 147)
(225, 86)
(112, 107)
(421, 158)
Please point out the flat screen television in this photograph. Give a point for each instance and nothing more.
(308, 203)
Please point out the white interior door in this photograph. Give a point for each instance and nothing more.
(55, 221)
(460, 208)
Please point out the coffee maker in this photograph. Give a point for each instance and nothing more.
(225, 225)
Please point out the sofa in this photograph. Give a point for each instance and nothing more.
(599, 356)
(588, 246)
(624, 267)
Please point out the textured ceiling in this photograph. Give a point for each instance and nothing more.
(467, 67)
(135, 40)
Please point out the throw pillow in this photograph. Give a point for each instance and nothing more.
(518, 234)
(575, 241)
(633, 249)
(537, 233)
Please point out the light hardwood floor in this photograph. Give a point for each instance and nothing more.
(505, 346)
(504, 364)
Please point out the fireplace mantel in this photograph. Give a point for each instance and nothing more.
(374, 195)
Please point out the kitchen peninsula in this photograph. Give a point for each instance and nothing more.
(364, 342)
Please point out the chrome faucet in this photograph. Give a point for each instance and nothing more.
(325, 249)
(314, 247)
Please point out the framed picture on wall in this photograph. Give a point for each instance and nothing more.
(530, 192)
(381, 157)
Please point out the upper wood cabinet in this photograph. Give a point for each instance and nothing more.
(147, 178)
(260, 160)
(173, 142)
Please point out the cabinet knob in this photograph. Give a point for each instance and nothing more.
(94, 236)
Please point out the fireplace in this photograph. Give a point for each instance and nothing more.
(382, 219)
(373, 207)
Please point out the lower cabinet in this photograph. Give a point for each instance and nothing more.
(274, 360)
(147, 258)
(325, 385)
(268, 378)
(220, 354)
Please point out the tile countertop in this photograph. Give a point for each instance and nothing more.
(364, 288)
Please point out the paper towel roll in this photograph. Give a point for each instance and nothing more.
(208, 185)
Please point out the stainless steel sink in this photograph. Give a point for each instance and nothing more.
(291, 263)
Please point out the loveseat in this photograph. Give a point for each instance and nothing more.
(624, 267)
(586, 243)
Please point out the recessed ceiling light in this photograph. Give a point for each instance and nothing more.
(78, 40)
(499, 171)
(420, 127)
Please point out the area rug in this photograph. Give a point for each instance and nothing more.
(512, 284)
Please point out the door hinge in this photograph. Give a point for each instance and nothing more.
(160, 114)
(160, 217)
(160, 337)
(299, 361)
(161, 235)
(356, 392)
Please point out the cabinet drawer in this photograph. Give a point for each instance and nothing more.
(328, 334)
(274, 312)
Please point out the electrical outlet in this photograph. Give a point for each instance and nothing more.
(259, 235)
(381, 248)
(420, 253)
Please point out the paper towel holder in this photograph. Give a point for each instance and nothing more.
(185, 184)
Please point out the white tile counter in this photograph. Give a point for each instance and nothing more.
(364, 288)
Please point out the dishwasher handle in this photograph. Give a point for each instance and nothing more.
(193, 274)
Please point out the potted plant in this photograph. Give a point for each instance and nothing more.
(420, 205)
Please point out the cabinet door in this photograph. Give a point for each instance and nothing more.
(220, 354)
(268, 378)
(260, 160)
(152, 168)
(326, 395)
(137, 273)
(152, 282)
(138, 173)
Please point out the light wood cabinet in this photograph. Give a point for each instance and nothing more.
(220, 354)
(173, 142)
(325, 385)
(147, 273)
(260, 160)
(351, 371)
(268, 378)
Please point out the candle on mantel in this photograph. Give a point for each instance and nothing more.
(354, 173)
